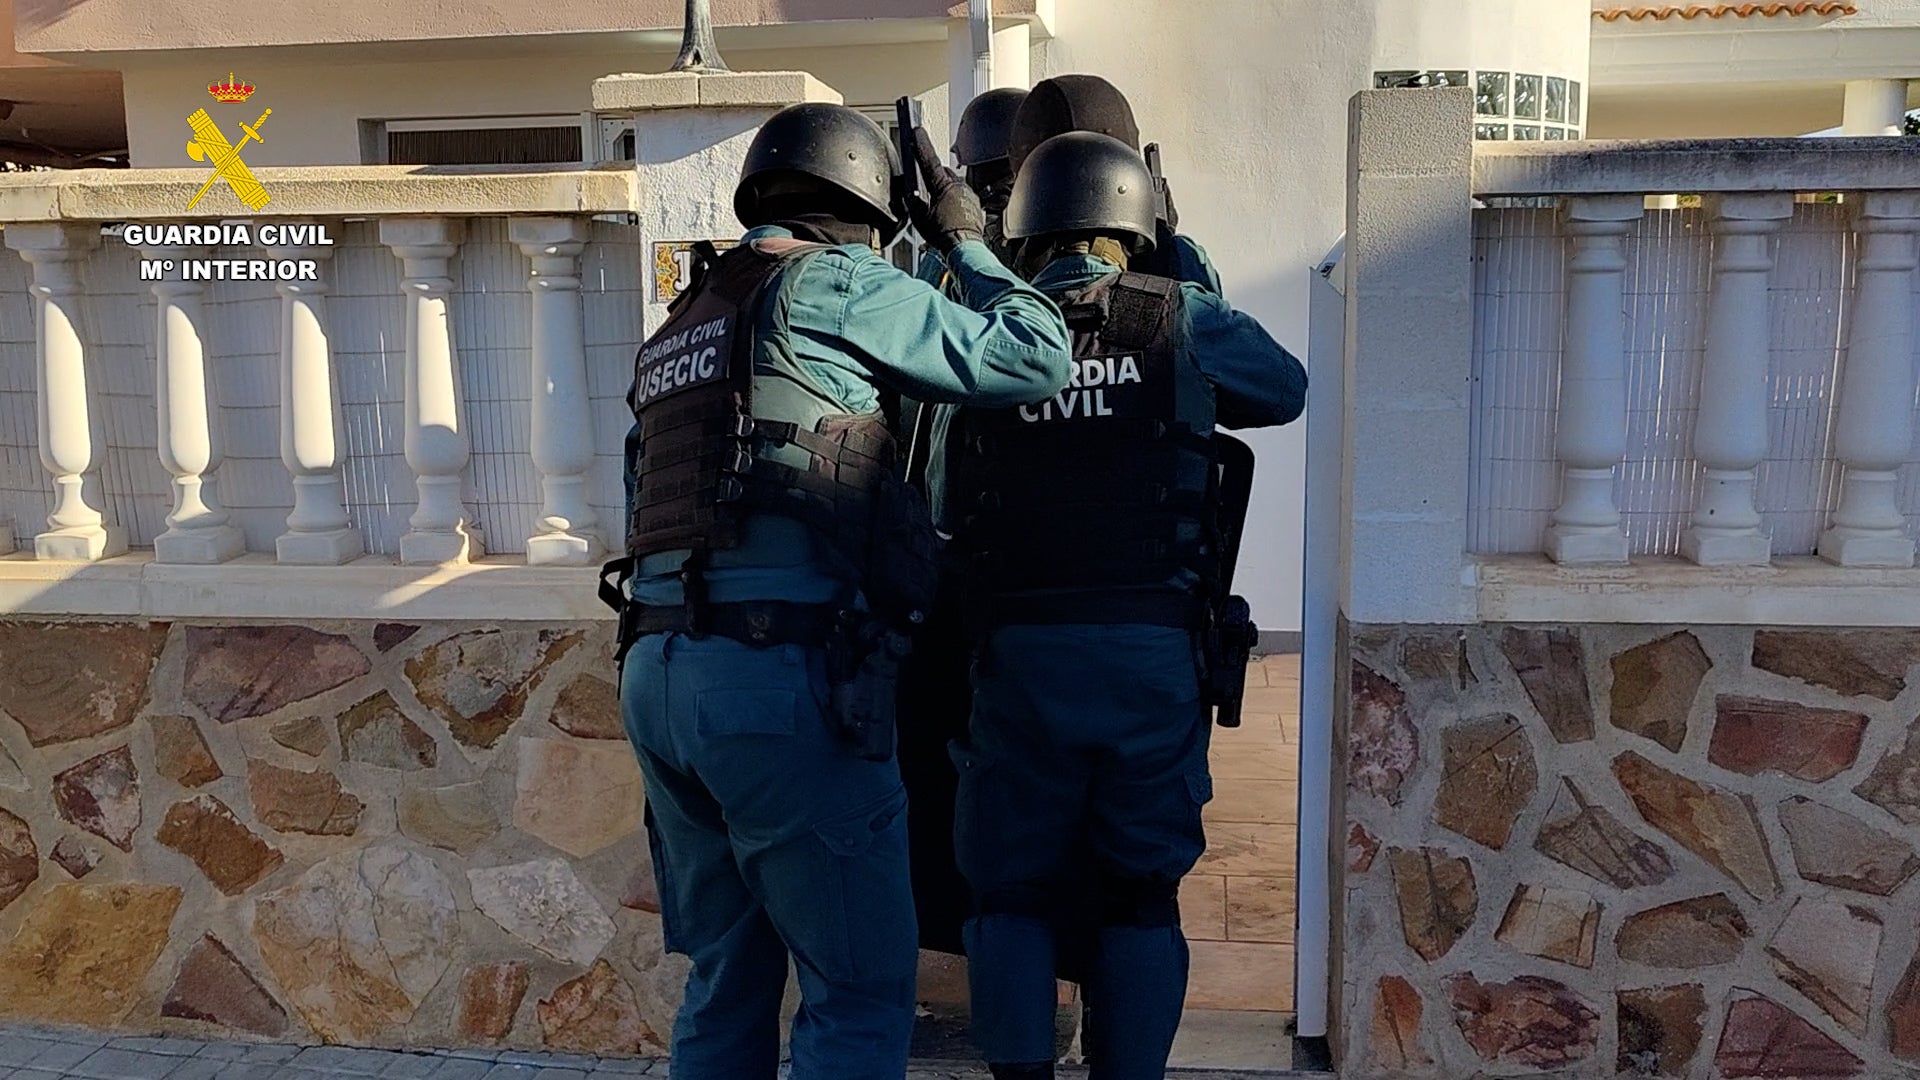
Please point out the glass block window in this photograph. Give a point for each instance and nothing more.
(1547, 107)
(1490, 94)
(1526, 96)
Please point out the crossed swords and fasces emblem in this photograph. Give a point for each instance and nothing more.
(209, 144)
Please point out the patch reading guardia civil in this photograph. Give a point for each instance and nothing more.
(1101, 386)
(682, 360)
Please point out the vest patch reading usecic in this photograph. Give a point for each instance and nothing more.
(1100, 386)
(692, 357)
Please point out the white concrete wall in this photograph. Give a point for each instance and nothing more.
(1540, 37)
(319, 96)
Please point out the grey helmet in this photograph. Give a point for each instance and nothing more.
(986, 127)
(1083, 181)
(828, 142)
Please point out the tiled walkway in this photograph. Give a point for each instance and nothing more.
(1237, 906)
(43, 1054)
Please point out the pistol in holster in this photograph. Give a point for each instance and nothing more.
(863, 677)
(1227, 645)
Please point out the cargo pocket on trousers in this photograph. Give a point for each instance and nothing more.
(1200, 791)
(663, 888)
(971, 820)
(866, 865)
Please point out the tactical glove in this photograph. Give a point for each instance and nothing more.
(951, 213)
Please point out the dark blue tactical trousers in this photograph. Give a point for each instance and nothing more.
(770, 837)
(1086, 760)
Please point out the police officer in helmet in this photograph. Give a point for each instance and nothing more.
(772, 566)
(1090, 103)
(1090, 525)
(980, 148)
(934, 691)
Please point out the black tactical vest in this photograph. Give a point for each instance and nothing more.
(1099, 504)
(708, 459)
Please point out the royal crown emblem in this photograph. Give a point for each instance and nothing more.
(233, 90)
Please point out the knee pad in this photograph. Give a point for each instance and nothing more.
(1140, 902)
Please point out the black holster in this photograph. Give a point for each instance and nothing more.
(613, 580)
(1227, 648)
(863, 676)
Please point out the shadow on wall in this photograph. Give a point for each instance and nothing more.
(40, 14)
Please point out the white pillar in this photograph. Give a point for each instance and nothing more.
(70, 444)
(562, 419)
(1730, 435)
(436, 444)
(198, 531)
(311, 429)
(1593, 382)
(1875, 107)
(1874, 429)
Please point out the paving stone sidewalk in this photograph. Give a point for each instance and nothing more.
(34, 1053)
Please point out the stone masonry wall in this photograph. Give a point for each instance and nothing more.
(1626, 850)
(376, 834)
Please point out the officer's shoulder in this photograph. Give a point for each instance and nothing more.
(1204, 306)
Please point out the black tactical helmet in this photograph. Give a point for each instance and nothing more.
(827, 142)
(1083, 182)
(986, 128)
(1071, 103)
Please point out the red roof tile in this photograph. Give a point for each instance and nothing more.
(1636, 13)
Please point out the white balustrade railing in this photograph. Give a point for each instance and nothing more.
(1691, 382)
(361, 363)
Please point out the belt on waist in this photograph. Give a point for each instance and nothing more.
(1178, 610)
(752, 622)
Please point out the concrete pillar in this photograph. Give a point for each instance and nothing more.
(1874, 430)
(1730, 435)
(70, 443)
(1875, 107)
(562, 419)
(690, 134)
(1592, 423)
(440, 530)
(311, 428)
(198, 531)
(1409, 294)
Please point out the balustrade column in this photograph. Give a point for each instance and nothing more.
(70, 444)
(318, 532)
(198, 530)
(440, 530)
(1874, 430)
(562, 419)
(1592, 420)
(1730, 435)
